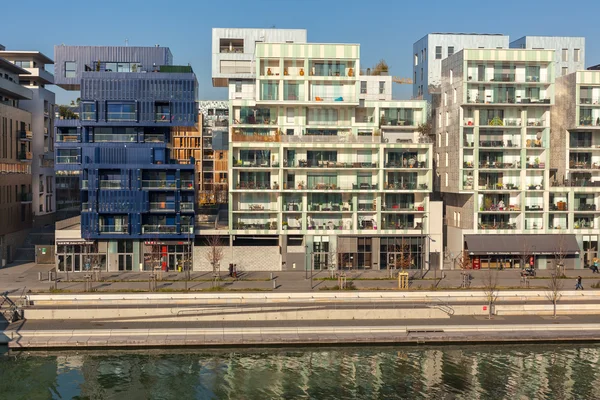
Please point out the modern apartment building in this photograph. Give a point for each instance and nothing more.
(213, 168)
(320, 174)
(429, 51)
(15, 161)
(575, 160)
(41, 107)
(137, 200)
(493, 146)
(569, 52)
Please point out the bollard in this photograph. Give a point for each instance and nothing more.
(274, 284)
(39, 276)
(271, 276)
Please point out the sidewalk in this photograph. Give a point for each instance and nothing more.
(17, 278)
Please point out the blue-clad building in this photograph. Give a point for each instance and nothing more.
(114, 161)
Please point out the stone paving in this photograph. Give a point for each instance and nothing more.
(24, 278)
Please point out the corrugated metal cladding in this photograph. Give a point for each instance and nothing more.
(180, 90)
(90, 55)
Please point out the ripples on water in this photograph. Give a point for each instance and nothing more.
(477, 372)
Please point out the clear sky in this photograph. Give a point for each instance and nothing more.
(384, 28)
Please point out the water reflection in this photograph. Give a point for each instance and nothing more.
(489, 372)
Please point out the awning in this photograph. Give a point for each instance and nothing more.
(521, 244)
(74, 242)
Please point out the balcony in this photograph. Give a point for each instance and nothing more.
(329, 225)
(329, 164)
(186, 206)
(119, 229)
(162, 117)
(25, 197)
(25, 135)
(334, 99)
(340, 207)
(256, 225)
(25, 156)
(67, 160)
(162, 206)
(121, 116)
(109, 184)
(168, 229)
(589, 100)
(258, 185)
(187, 184)
(88, 116)
(159, 184)
(68, 138)
(107, 137)
(345, 138)
(408, 164)
(405, 186)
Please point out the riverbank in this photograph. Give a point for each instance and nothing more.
(321, 318)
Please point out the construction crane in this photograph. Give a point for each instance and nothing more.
(402, 81)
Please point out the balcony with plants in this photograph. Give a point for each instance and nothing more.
(586, 202)
(162, 180)
(499, 160)
(406, 181)
(345, 69)
(584, 160)
(159, 224)
(589, 116)
(536, 162)
(559, 202)
(254, 158)
(479, 72)
(499, 202)
(399, 117)
(255, 116)
(584, 221)
(254, 203)
(493, 138)
(401, 221)
(558, 221)
(291, 202)
(406, 159)
(329, 202)
(497, 221)
(499, 181)
(333, 92)
(325, 222)
(186, 181)
(534, 180)
(508, 95)
(256, 222)
(589, 95)
(256, 181)
(404, 202)
(505, 119)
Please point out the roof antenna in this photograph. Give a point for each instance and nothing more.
(126, 42)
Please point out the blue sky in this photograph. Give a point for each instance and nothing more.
(384, 29)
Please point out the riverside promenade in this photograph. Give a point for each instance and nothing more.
(291, 308)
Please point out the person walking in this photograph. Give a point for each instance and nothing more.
(578, 285)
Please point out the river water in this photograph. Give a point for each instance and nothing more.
(449, 372)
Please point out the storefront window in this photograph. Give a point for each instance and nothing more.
(80, 257)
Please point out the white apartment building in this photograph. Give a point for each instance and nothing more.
(569, 51)
(326, 171)
(430, 50)
(41, 107)
(493, 143)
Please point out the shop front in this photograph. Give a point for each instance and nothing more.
(168, 255)
(522, 251)
(80, 256)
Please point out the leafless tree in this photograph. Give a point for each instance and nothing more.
(526, 254)
(214, 255)
(490, 288)
(554, 287)
(560, 255)
(463, 261)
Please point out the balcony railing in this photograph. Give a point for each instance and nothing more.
(121, 116)
(406, 186)
(113, 229)
(154, 138)
(186, 206)
(343, 207)
(107, 137)
(187, 184)
(170, 229)
(162, 206)
(25, 135)
(68, 138)
(329, 139)
(333, 99)
(589, 100)
(260, 185)
(328, 225)
(267, 225)
(407, 164)
(25, 155)
(25, 197)
(162, 117)
(589, 121)
(109, 184)
(88, 116)
(67, 160)
(328, 164)
(159, 184)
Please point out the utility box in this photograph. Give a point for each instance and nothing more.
(44, 254)
(403, 280)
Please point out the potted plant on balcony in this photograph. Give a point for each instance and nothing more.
(537, 162)
(496, 121)
(301, 71)
(285, 71)
(350, 72)
(284, 225)
(269, 71)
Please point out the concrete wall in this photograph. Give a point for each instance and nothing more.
(562, 119)
(247, 258)
(556, 43)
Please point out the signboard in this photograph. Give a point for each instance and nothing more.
(476, 263)
(74, 242)
(168, 242)
(531, 261)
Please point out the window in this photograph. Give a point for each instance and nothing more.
(565, 55)
(447, 118)
(437, 159)
(416, 59)
(438, 52)
(425, 54)
(458, 221)
(382, 87)
(25, 64)
(450, 50)
(88, 111)
(445, 99)
(447, 140)
(415, 76)
(446, 153)
(446, 178)
(290, 113)
(440, 119)
(576, 55)
(363, 87)
(451, 76)
(454, 97)
(238, 87)
(70, 69)
(565, 70)
(120, 111)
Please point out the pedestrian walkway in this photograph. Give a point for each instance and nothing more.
(25, 277)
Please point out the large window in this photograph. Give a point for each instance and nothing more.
(70, 69)
(120, 111)
(438, 52)
(122, 67)
(88, 111)
(67, 156)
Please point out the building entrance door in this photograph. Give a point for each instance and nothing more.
(125, 262)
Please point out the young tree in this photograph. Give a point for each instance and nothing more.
(490, 288)
(214, 255)
(554, 287)
(526, 254)
(560, 255)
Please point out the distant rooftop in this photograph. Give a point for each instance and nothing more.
(463, 33)
(38, 56)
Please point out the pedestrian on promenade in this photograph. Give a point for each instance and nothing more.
(594, 266)
(578, 285)
(230, 270)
